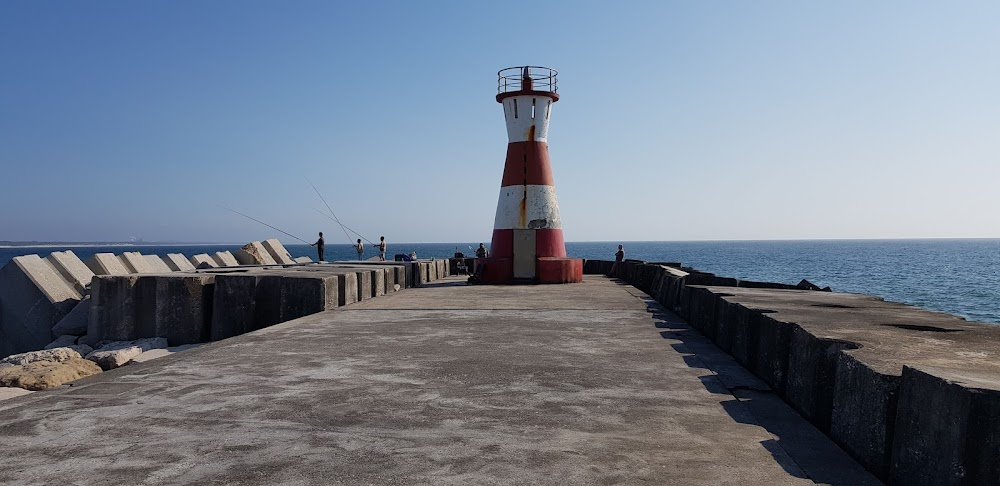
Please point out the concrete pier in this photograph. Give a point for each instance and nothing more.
(448, 384)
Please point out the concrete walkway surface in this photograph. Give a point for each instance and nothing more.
(591, 383)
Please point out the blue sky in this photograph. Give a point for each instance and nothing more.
(678, 120)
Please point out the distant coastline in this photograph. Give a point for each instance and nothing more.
(48, 244)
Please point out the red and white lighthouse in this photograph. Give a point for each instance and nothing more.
(527, 232)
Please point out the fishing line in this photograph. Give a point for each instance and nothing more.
(265, 224)
(335, 218)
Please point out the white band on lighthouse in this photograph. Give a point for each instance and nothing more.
(525, 112)
(540, 208)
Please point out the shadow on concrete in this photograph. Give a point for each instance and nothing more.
(798, 447)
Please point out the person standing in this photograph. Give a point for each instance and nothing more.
(319, 246)
(618, 261)
(381, 248)
(361, 249)
(481, 253)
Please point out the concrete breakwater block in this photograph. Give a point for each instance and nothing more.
(303, 259)
(247, 302)
(33, 298)
(278, 252)
(135, 262)
(156, 264)
(177, 307)
(225, 259)
(72, 269)
(203, 260)
(177, 262)
(254, 253)
(950, 419)
(106, 264)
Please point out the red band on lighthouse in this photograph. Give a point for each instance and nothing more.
(527, 228)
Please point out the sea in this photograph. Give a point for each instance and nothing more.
(957, 276)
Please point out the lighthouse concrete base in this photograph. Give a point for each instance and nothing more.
(548, 270)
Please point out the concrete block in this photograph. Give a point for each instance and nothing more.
(254, 253)
(62, 342)
(202, 259)
(278, 252)
(135, 262)
(182, 311)
(178, 262)
(234, 307)
(156, 264)
(347, 288)
(400, 276)
(946, 428)
(33, 298)
(864, 413)
(378, 282)
(364, 284)
(770, 359)
(248, 302)
(225, 259)
(106, 264)
(162, 352)
(812, 364)
(72, 269)
(111, 355)
(113, 313)
(303, 259)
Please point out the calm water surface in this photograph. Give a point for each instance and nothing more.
(961, 277)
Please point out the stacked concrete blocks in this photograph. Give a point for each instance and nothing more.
(177, 307)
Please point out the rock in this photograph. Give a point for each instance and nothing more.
(75, 322)
(254, 253)
(45, 375)
(303, 259)
(56, 355)
(114, 354)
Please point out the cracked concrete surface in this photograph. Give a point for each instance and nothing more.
(590, 383)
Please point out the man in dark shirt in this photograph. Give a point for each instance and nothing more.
(319, 246)
(618, 261)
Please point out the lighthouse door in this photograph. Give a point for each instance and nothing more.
(524, 253)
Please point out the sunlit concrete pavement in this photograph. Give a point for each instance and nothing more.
(450, 384)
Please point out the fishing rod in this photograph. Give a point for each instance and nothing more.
(327, 216)
(335, 218)
(265, 224)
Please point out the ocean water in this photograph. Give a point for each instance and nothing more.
(960, 276)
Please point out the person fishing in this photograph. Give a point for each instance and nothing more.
(381, 248)
(319, 246)
(619, 256)
(481, 253)
(360, 247)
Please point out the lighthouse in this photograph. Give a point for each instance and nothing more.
(528, 244)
